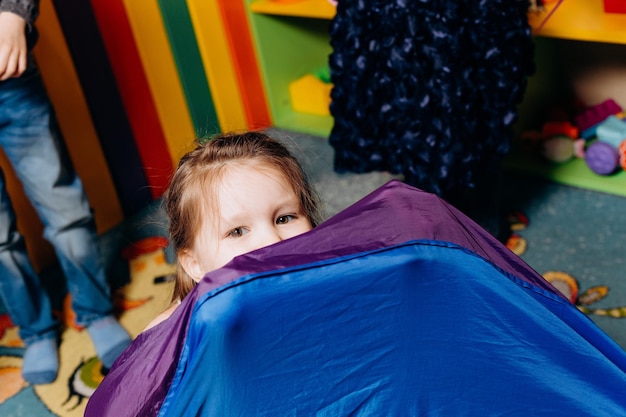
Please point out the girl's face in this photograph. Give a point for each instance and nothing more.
(256, 207)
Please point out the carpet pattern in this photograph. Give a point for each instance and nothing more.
(80, 370)
(575, 239)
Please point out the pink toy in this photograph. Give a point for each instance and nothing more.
(596, 114)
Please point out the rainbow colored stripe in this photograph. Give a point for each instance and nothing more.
(134, 82)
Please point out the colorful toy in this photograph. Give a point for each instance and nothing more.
(597, 134)
(622, 154)
(612, 130)
(551, 129)
(595, 115)
(607, 154)
(311, 94)
(558, 149)
(602, 158)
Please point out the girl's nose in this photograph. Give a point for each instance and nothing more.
(269, 237)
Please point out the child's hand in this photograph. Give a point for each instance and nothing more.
(13, 48)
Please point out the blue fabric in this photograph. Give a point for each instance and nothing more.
(423, 328)
(398, 305)
(30, 139)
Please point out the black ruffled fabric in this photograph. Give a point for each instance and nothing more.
(427, 88)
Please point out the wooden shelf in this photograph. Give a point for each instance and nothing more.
(573, 20)
(583, 20)
(292, 40)
(317, 9)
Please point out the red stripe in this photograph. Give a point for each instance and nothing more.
(133, 87)
(245, 63)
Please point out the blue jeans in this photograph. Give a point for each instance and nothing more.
(30, 139)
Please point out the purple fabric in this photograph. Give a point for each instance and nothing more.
(395, 213)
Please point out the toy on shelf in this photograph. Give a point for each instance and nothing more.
(602, 158)
(558, 140)
(311, 93)
(606, 131)
(597, 134)
(622, 155)
(555, 128)
(589, 119)
(558, 149)
(612, 130)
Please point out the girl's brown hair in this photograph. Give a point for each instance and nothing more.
(200, 170)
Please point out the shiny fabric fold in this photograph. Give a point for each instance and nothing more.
(399, 305)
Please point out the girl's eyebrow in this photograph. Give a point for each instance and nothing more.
(228, 223)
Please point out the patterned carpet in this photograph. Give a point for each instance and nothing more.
(576, 238)
(80, 370)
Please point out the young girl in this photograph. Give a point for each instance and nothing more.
(231, 195)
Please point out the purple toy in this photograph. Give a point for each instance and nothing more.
(602, 158)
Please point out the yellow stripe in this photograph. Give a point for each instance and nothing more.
(162, 75)
(61, 79)
(218, 64)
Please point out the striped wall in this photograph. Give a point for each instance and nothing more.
(134, 82)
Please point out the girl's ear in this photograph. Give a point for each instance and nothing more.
(190, 265)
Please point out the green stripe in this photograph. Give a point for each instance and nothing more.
(190, 68)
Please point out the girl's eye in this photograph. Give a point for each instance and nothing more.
(285, 219)
(237, 232)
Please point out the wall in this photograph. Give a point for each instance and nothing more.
(134, 82)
